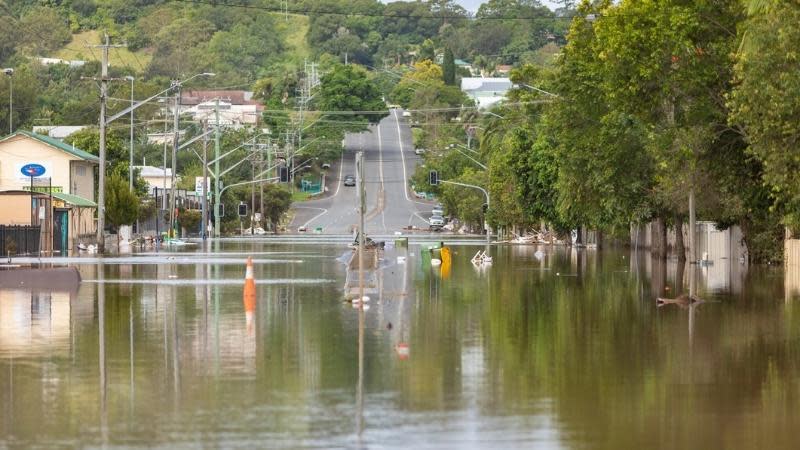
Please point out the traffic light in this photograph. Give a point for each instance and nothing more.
(283, 173)
(485, 207)
(242, 209)
(433, 178)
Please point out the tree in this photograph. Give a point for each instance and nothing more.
(766, 99)
(277, 201)
(122, 204)
(427, 51)
(43, 31)
(348, 88)
(449, 68)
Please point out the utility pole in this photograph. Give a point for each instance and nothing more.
(362, 210)
(217, 178)
(130, 165)
(204, 207)
(175, 142)
(101, 194)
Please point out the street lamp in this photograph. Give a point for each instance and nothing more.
(104, 121)
(10, 72)
(130, 165)
(483, 166)
(176, 143)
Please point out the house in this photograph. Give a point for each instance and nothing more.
(502, 69)
(486, 91)
(155, 177)
(236, 108)
(48, 183)
(461, 64)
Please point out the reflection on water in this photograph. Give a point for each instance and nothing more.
(547, 347)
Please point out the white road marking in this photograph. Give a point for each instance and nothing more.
(341, 166)
(315, 217)
(402, 156)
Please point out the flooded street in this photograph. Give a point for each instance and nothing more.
(560, 348)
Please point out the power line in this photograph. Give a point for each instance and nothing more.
(333, 12)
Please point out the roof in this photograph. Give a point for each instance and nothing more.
(55, 143)
(234, 97)
(74, 200)
(486, 84)
(460, 62)
(153, 172)
(58, 131)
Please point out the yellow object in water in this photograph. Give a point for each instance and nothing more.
(446, 261)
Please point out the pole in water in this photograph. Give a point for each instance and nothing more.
(249, 297)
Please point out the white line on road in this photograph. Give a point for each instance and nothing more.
(315, 217)
(402, 156)
(339, 183)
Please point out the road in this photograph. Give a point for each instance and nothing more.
(389, 163)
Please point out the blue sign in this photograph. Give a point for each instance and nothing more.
(33, 170)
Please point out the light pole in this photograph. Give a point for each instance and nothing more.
(485, 193)
(10, 73)
(130, 165)
(483, 166)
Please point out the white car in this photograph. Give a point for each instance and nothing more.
(437, 212)
(406, 113)
(436, 222)
(419, 151)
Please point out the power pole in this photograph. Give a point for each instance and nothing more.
(175, 142)
(362, 210)
(204, 226)
(217, 180)
(101, 189)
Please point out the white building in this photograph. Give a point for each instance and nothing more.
(155, 177)
(486, 91)
(59, 132)
(236, 108)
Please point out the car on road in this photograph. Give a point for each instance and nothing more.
(436, 222)
(437, 211)
(326, 166)
(349, 180)
(419, 151)
(406, 114)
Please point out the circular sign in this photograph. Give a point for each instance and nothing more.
(32, 170)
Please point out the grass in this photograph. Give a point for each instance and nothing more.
(295, 29)
(117, 57)
(300, 196)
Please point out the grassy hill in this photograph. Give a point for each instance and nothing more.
(118, 57)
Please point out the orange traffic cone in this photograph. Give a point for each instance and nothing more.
(249, 295)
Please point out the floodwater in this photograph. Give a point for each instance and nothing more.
(559, 349)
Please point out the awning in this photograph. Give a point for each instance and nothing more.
(74, 200)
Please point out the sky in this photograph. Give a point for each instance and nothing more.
(472, 5)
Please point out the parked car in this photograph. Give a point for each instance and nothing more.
(436, 222)
(437, 211)
(326, 166)
(406, 113)
(419, 151)
(349, 180)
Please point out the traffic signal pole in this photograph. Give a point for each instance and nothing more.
(485, 193)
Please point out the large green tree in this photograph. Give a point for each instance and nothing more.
(766, 99)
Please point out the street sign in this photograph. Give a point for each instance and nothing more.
(26, 171)
(198, 185)
(242, 209)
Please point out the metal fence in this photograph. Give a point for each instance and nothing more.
(19, 239)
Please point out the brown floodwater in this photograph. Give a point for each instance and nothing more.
(555, 348)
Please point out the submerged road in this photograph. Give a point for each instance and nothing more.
(389, 163)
